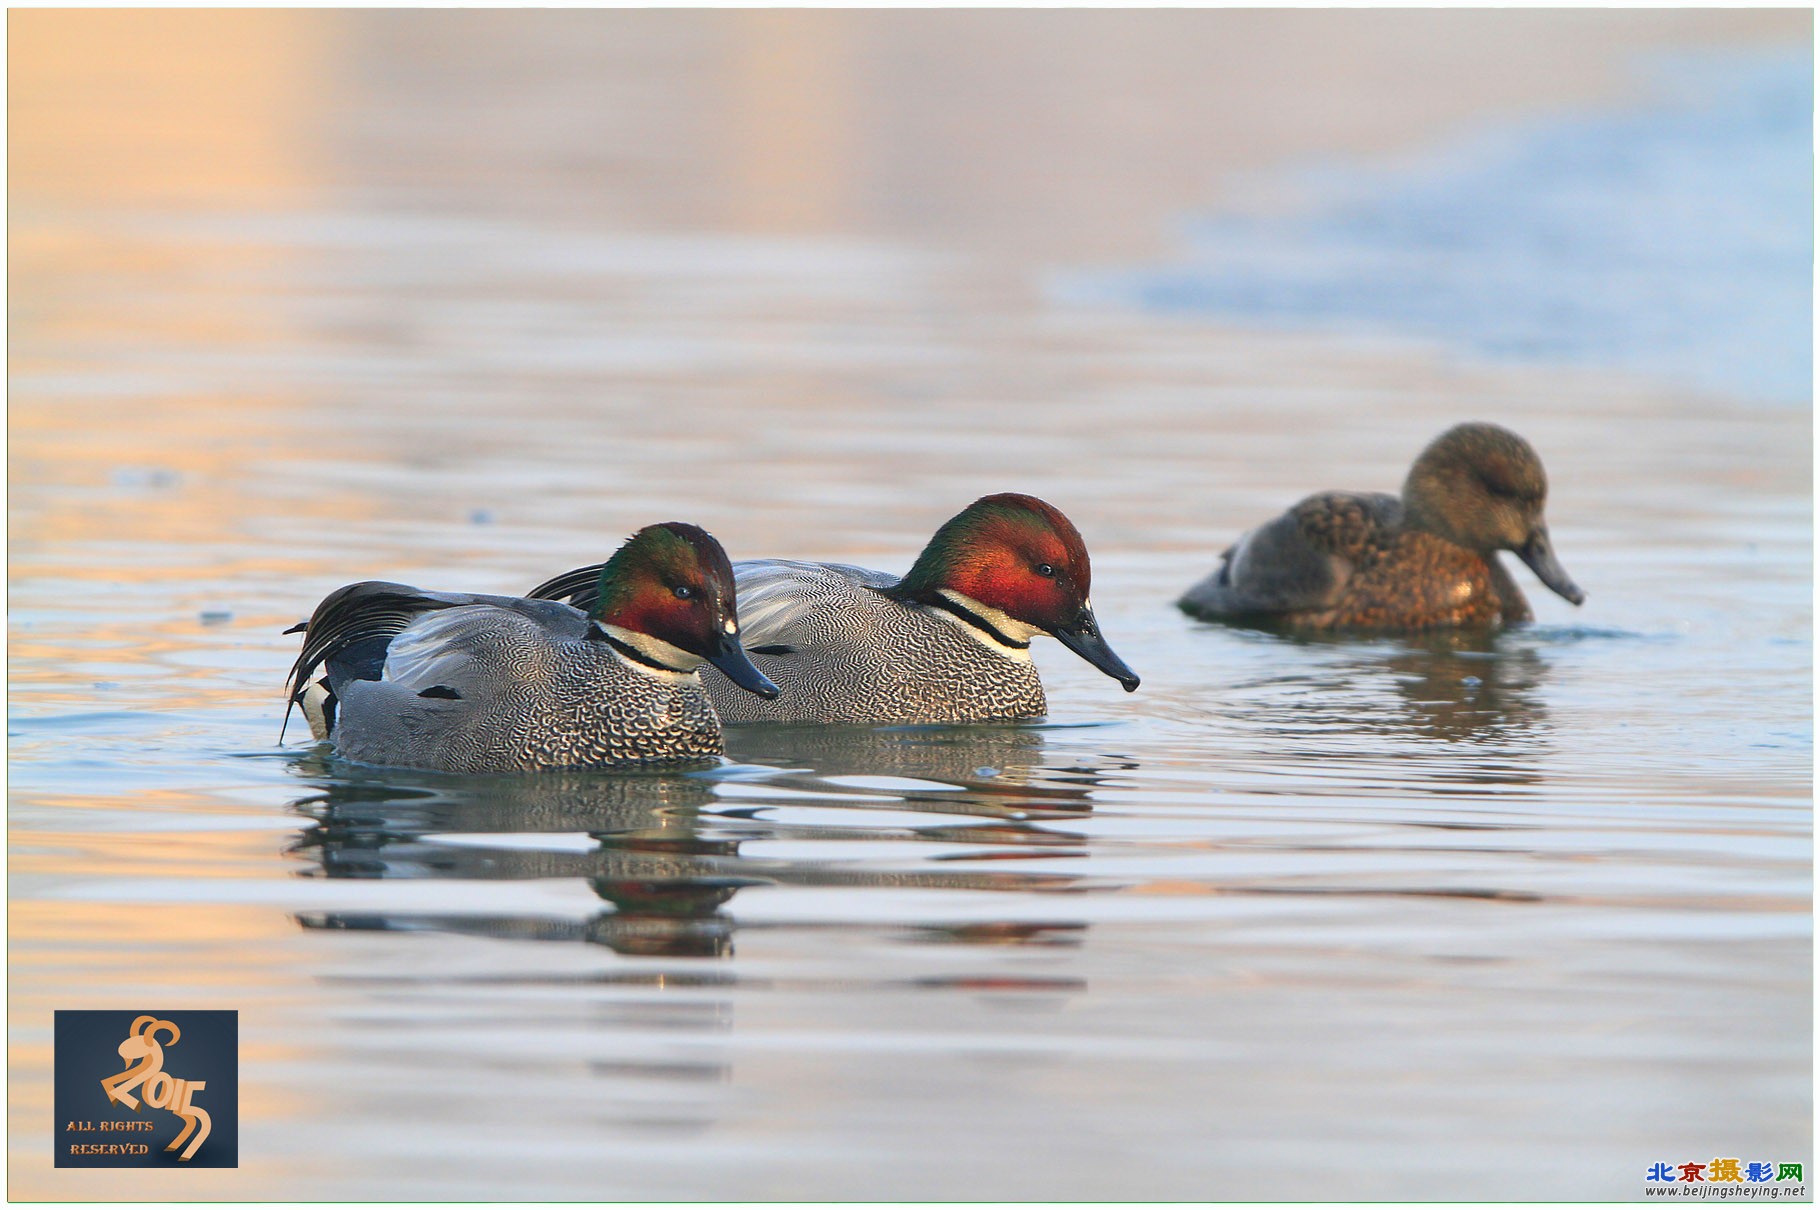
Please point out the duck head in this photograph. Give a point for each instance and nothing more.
(1014, 567)
(1483, 487)
(666, 600)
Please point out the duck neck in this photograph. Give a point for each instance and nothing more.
(1423, 493)
(648, 654)
(993, 627)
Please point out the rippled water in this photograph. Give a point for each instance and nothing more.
(1507, 918)
(1673, 237)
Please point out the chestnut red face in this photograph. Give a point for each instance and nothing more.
(1026, 562)
(1022, 557)
(673, 583)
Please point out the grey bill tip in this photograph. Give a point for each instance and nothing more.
(1083, 638)
(1539, 554)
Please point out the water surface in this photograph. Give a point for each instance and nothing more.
(1494, 918)
(1673, 237)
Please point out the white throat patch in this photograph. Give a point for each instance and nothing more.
(998, 619)
(674, 660)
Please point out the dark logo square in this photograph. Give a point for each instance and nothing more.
(147, 1089)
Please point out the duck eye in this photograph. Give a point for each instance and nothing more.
(1514, 493)
(683, 592)
(1045, 570)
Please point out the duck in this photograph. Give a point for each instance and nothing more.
(467, 683)
(1372, 563)
(949, 641)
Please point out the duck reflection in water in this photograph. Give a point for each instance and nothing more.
(1480, 688)
(1472, 702)
(975, 768)
(664, 848)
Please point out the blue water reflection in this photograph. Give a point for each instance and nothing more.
(1674, 237)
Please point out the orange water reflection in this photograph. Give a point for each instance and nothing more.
(233, 388)
(150, 107)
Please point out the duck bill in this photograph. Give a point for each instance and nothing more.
(732, 660)
(1083, 638)
(1539, 553)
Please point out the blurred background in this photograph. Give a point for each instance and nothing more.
(460, 298)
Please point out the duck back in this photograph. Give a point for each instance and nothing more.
(841, 648)
(1346, 561)
(496, 684)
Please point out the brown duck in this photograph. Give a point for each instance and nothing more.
(1369, 562)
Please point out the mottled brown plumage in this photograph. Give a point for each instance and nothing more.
(1369, 562)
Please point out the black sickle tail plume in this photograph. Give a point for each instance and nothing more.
(580, 588)
(372, 609)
